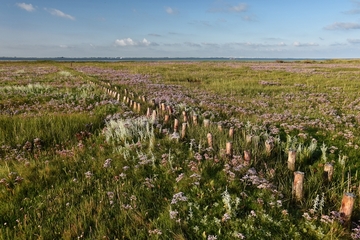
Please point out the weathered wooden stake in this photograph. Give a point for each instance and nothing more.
(268, 146)
(229, 149)
(153, 115)
(210, 140)
(183, 130)
(138, 107)
(195, 119)
(166, 118)
(170, 111)
(148, 112)
(291, 160)
(298, 185)
(248, 139)
(347, 205)
(176, 125)
(185, 116)
(163, 107)
(206, 122)
(247, 157)
(328, 171)
(231, 132)
(220, 128)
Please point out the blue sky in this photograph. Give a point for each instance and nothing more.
(197, 28)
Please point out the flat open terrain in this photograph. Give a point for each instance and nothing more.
(180, 150)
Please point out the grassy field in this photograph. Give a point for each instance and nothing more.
(179, 150)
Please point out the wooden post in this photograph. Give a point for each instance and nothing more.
(148, 112)
(138, 107)
(185, 116)
(163, 107)
(231, 132)
(210, 140)
(328, 172)
(248, 139)
(291, 160)
(176, 125)
(298, 185)
(220, 127)
(247, 157)
(170, 111)
(166, 118)
(206, 122)
(153, 116)
(195, 119)
(229, 149)
(347, 205)
(183, 130)
(268, 146)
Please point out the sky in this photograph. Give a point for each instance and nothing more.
(173, 28)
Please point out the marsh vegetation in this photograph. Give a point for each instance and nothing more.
(95, 150)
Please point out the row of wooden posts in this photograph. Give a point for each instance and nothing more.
(348, 199)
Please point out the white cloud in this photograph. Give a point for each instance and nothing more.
(28, 7)
(125, 42)
(129, 42)
(225, 7)
(59, 13)
(146, 42)
(298, 44)
(171, 11)
(354, 41)
(343, 26)
(249, 18)
(241, 7)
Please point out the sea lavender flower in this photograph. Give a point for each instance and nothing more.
(88, 174)
(238, 235)
(212, 237)
(226, 217)
(155, 232)
(173, 214)
(178, 197)
(107, 163)
(181, 176)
